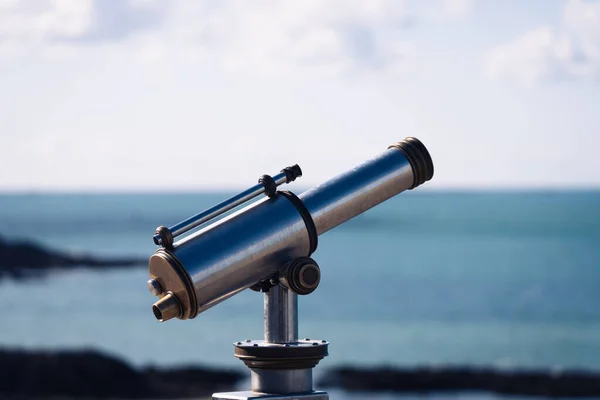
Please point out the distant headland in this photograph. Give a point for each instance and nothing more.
(91, 374)
(521, 382)
(23, 259)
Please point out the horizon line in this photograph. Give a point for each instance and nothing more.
(222, 190)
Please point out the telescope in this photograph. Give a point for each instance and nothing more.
(266, 246)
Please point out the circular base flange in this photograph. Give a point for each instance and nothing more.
(265, 355)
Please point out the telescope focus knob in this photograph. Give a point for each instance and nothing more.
(301, 276)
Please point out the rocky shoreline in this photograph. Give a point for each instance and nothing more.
(20, 259)
(542, 383)
(91, 374)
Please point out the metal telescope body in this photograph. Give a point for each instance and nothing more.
(267, 246)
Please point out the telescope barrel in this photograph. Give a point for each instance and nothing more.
(368, 184)
(228, 256)
(254, 243)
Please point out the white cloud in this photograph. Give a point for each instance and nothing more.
(457, 8)
(570, 50)
(31, 26)
(265, 36)
(291, 37)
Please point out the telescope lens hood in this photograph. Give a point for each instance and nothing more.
(417, 155)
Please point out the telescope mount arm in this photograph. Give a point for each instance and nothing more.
(281, 364)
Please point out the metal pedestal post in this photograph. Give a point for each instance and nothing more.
(280, 365)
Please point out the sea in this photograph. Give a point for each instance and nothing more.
(501, 279)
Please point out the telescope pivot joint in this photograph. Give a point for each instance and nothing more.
(302, 276)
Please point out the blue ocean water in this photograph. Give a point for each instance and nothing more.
(502, 279)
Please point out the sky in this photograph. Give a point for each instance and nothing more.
(153, 95)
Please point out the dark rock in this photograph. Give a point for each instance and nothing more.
(515, 382)
(24, 259)
(192, 381)
(90, 374)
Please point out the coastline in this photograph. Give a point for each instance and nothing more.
(88, 373)
(456, 379)
(26, 259)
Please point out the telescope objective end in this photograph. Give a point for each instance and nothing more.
(417, 155)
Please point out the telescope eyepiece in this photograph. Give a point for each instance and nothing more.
(167, 308)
